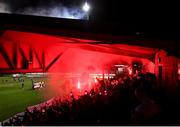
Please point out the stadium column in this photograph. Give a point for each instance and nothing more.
(43, 61)
(30, 62)
(15, 55)
(166, 69)
(18, 58)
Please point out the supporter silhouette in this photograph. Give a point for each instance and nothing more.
(124, 101)
(147, 109)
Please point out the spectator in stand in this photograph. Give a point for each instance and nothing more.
(101, 105)
(147, 109)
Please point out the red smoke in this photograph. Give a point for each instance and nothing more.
(78, 58)
(80, 64)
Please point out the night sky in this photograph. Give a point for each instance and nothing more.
(52, 8)
(106, 10)
(156, 17)
(150, 18)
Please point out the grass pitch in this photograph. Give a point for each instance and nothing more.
(14, 99)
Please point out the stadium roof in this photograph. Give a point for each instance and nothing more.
(157, 36)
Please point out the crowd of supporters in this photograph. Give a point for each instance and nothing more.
(125, 100)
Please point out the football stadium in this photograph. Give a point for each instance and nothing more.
(60, 65)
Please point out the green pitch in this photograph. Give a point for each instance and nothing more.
(14, 99)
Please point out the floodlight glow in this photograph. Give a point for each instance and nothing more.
(86, 7)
